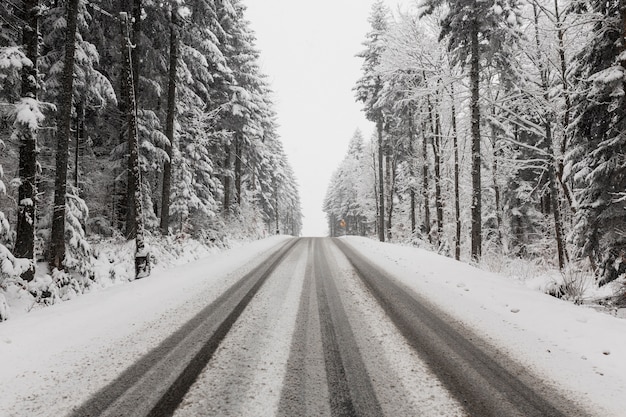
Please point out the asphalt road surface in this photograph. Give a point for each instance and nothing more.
(317, 330)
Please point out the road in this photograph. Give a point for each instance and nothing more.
(317, 330)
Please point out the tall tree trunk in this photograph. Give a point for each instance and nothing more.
(376, 200)
(136, 39)
(549, 148)
(389, 180)
(135, 9)
(238, 172)
(457, 203)
(57, 238)
(392, 163)
(123, 208)
(169, 125)
(80, 134)
(425, 190)
(276, 216)
(381, 182)
(142, 258)
(436, 145)
(476, 233)
(412, 171)
(554, 199)
(227, 177)
(27, 191)
(494, 172)
(568, 106)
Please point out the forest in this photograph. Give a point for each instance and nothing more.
(131, 120)
(500, 133)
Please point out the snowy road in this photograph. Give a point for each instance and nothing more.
(330, 359)
(306, 327)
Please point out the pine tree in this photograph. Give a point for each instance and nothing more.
(477, 30)
(171, 114)
(596, 160)
(368, 91)
(27, 123)
(57, 252)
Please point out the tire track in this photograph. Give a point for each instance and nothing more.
(350, 391)
(155, 385)
(482, 384)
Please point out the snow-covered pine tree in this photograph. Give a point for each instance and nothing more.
(596, 160)
(350, 193)
(12, 63)
(477, 31)
(368, 90)
(27, 121)
(57, 240)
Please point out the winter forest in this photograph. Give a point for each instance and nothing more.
(131, 121)
(499, 133)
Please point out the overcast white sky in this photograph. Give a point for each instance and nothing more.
(308, 52)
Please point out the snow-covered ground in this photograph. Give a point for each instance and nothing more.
(575, 348)
(52, 359)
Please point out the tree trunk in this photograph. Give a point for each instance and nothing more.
(425, 190)
(457, 203)
(381, 182)
(476, 233)
(169, 127)
(27, 190)
(412, 171)
(436, 144)
(123, 210)
(80, 134)
(57, 238)
(392, 163)
(142, 258)
(276, 218)
(554, 199)
(136, 39)
(494, 172)
(238, 173)
(549, 148)
(227, 164)
(389, 180)
(568, 106)
(376, 201)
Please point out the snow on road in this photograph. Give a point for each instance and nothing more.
(245, 375)
(53, 359)
(576, 349)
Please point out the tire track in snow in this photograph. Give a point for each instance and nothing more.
(155, 385)
(482, 384)
(350, 391)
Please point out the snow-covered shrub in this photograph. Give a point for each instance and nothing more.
(78, 252)
(43, 289)
(573, 285)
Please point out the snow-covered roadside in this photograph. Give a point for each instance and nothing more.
(113, 265)
(577, 349)
(54, 358)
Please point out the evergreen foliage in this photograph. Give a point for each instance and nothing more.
(222, 104)
(502, 132)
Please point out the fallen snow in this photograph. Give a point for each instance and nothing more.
(54, 358)
(576, 349)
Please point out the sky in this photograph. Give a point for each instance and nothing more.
(308, 51)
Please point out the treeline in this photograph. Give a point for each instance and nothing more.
(121, 117)
(500, 128)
